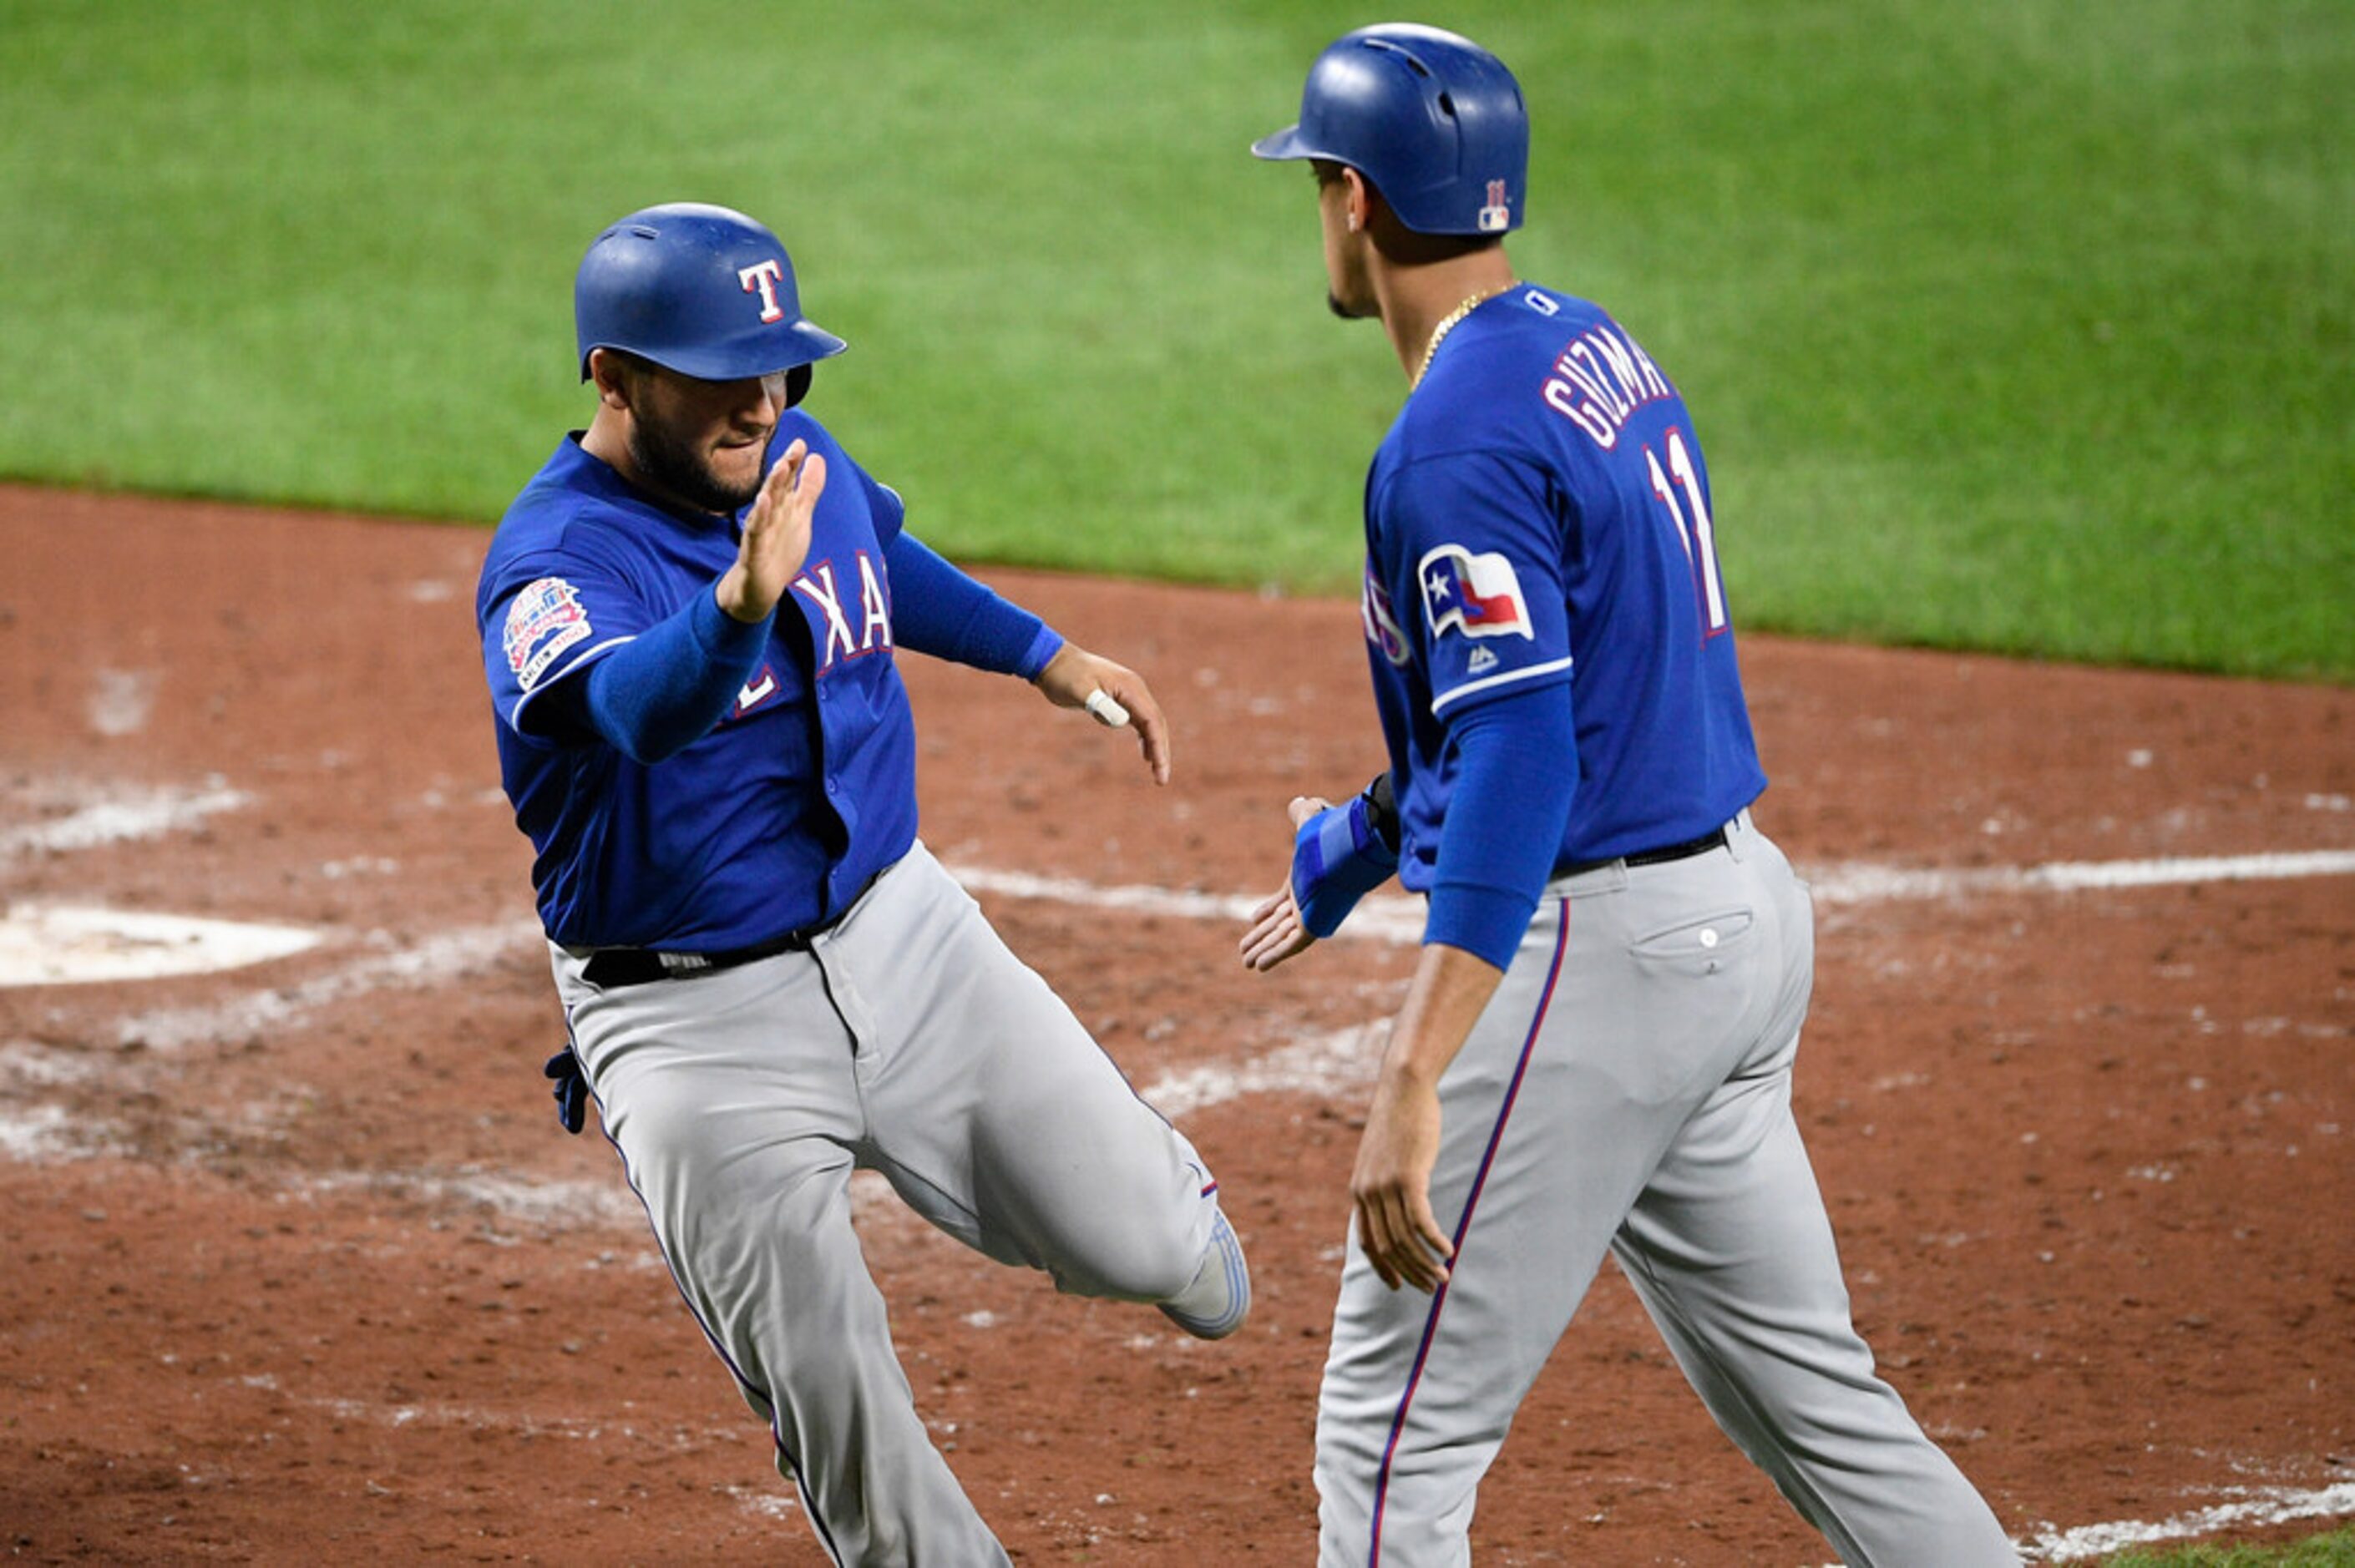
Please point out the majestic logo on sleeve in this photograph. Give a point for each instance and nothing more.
(544, 621)
(1381, 620)
(1479, 594)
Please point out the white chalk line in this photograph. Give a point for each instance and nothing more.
(1383, 917)
(37, 1135)
(2259, 1506)
(455, 954)
(1849, 883)
(545, 1204)
(123, 816)
(1317, 1065)
(1399, 919)
(474, 1417)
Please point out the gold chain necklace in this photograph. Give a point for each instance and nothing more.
(1447, 324)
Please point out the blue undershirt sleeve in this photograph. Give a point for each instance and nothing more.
(1517, 770)
(667, 687)
(937, 609)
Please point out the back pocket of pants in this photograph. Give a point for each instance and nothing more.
(1701, 945)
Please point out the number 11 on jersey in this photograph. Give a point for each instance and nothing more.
(1699, 539)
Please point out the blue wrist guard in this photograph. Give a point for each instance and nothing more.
(1338, 857)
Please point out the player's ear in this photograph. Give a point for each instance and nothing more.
(612, 374)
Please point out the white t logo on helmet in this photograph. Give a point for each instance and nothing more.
(763, 276)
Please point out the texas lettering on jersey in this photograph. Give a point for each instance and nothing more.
(1381, 620)
(754, 692)
(824, 592)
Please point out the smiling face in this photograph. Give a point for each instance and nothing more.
(699, 442)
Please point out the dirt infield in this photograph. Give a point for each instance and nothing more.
(298, 1267)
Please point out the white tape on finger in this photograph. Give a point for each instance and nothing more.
(1107, 711)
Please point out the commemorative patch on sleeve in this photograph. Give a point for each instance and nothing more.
(545, 620)
(1478, 594)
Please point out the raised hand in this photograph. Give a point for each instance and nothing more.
(776, 535)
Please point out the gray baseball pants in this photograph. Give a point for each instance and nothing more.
(1629, 1088)
(908, 1040)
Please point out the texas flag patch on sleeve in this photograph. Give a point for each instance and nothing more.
(1478, 594)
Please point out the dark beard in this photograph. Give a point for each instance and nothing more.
(1332, 303)
(666, 464)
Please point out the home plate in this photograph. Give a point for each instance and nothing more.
(49, 945)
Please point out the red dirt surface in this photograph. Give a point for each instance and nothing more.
(295, 1266)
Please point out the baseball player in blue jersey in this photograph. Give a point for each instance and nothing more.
(1595, 1051)
(691, 619)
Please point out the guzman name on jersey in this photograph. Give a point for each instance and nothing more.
(1601, 379)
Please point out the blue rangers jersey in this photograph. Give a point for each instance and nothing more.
(1539, 513)
(780, 815)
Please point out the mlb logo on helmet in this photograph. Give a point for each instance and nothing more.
(1497, 216)
(1481, 594)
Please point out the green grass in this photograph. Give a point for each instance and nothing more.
(2334, 1550)
(2022, 325)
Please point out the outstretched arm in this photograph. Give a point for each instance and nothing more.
(937, 609)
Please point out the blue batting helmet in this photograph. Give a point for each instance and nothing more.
(1434, 119)
(703, 291)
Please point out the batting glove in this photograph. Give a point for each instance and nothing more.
(571, 1089)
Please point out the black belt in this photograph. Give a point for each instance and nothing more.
(634, 966)
(1713, 839)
